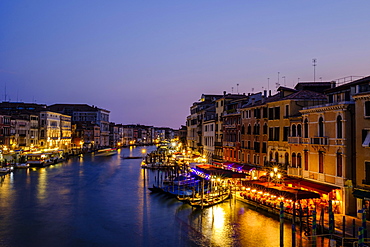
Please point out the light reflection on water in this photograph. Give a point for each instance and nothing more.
(104, 201)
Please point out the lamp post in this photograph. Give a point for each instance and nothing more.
(275, 175)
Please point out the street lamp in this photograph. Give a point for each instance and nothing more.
(275, 175)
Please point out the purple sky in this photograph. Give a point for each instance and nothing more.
(148, 61)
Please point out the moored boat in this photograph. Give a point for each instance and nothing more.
(210, 201)
(39, 159)
(4, 170)
(106, 152)
(21, 166)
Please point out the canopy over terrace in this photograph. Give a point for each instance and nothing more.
(213, 170)
(288, 193)
(310, 185)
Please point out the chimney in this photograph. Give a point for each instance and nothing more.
(269, 93)
(224, 92)
(265, 93)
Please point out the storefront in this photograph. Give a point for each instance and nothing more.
(363, 202)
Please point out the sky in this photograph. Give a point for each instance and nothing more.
(148, 61)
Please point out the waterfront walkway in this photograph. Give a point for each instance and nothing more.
(352, 224)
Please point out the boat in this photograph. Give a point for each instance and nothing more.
(21, 166)
(39, 159)
(106, 152)
(4, 170)
(210, 201)
(155, 189)
(131, 157)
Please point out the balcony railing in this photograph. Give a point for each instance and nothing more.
(319, 140)
(295, 139)
(294, 171)
(218, 144)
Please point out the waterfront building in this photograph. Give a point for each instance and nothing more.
(83, 113)
(231, 126)
(361, 180)
(209, 134)
(253, 131)
(19, 133)
(194, 122)
(55, 130)
(4, 132)
(221, 107)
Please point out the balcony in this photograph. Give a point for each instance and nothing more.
(340, 142)
(295, 140)
(319, 140)
(229, 144)
(218, 144)
(294, 171)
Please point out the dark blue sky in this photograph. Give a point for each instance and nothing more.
(148, 61)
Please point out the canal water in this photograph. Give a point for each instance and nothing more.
(105, 201)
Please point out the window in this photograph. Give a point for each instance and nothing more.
(277, 134)
(339, 127)
(367, 172)
(367, 109)
(277, 112)
(249, 129)
(299, 130)
(264, 147)
(286, 159)
(339, 165)
(294, 130)
(306, 128)
(286, 133)
(277, 157)
(321, 162)
(265, 129)
(299, 160)
(294, 160)
(321, 127)
(271, 113)
(287, 111)
(243, 129)
(306, 160)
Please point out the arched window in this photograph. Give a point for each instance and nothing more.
(294, 130)
(249, 130)
(299, 130)
(321, 127)
(277, 157)
(299, 160)
(294, 160)
(339, 165)
(243, 129)
(306, 160)
(339, 127)
(265, 129)
(306, 128)
(270, 156)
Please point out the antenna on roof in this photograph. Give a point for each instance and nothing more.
(278, 78)
(237, 88)
(232, 90)
(314, 69)
(284, 80)
(268, 84)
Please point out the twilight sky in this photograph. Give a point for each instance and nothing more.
(148, 61)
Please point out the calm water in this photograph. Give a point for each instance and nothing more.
(104, 201)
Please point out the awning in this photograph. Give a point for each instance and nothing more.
(310, 185)
(361, 194)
